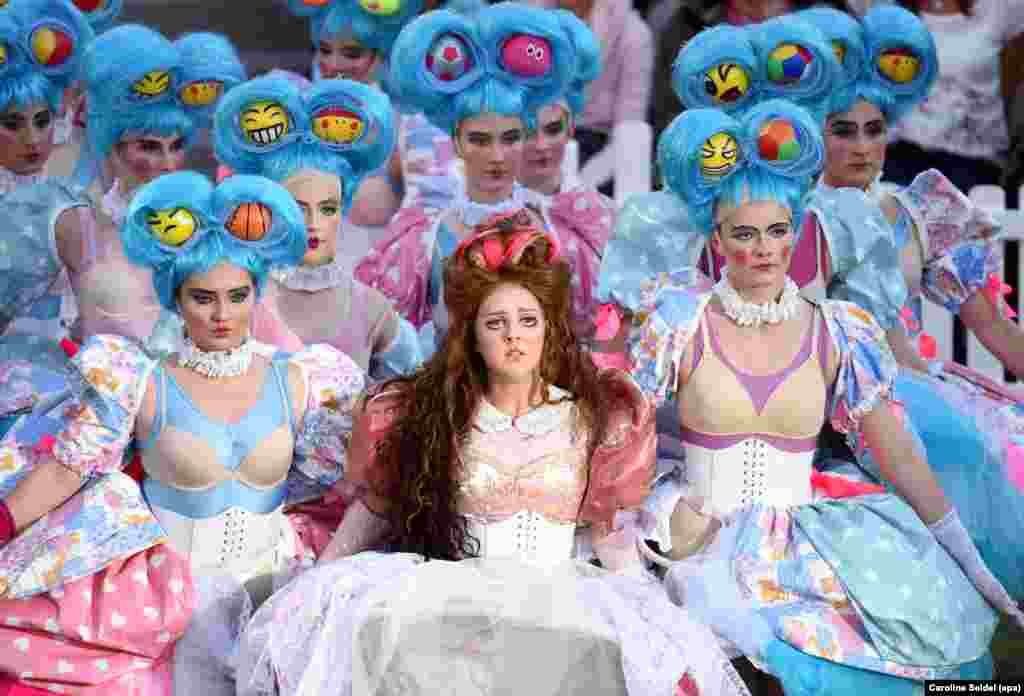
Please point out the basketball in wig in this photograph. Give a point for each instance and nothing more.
(210, 66)
(375, 24)
(271, 127)
(101, 13)
(711, 159)
(509, 59)
(181, 224)
(41, 45)
(889, 59)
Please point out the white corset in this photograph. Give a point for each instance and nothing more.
(528, 536)
(237, 542)
(750, 471)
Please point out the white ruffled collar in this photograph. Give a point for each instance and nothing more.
(114, 203)
(874, 190)
(312, 278)
(10, 181)
(472, 213)
(542, 420)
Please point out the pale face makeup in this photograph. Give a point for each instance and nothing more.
(319, 195)
(509, 330)
(346, 58)
(216, 307)
(491, 148)
(26, 139)
(855, 146)
(545, 150)
(756, 241)
(139, 158)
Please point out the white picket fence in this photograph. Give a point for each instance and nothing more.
(632, 174)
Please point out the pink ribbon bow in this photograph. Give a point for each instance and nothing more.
(996, 290)
(608, 322)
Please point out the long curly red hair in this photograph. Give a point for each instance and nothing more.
(421, 453)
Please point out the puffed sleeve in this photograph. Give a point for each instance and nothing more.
(332, 383)
(106, 380)
(399, 265)
(866, 367)
(960, 253)
(863, 252)
(623, 466)
(667, 317)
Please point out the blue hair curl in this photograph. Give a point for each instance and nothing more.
(190, 198)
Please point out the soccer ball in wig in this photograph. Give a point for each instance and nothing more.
(734, 68)
(508, 59)
(271, 127)
(375, 24)
(181, 224)
(101, 13)
(888, 59)
(41, 45)
(710, 158)
(209, 67)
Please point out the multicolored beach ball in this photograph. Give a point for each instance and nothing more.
(777, 141)
(788, 63)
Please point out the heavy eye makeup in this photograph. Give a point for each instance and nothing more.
(498, 320)
(237, 295)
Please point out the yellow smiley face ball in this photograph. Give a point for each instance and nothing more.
(338, 126)
(173, 226)
(726, 83)
(264, 122)
(718, 155)
(152, 83)
(899, 65)
(201, 93)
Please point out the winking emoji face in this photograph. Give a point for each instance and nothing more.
(726, 83)
(173, 226)
(264, 122)
(718, 155)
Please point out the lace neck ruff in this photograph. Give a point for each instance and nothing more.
(472, 213)
(114, 203)
(218, 363)
(542, 420)
(311, 278)
(746, 313)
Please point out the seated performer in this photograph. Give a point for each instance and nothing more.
(477, 471)
(100, 581)
(855, 594)
(327, 140)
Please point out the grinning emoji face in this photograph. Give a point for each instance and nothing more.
(726, 83)
(172, 226)
(839, 48)
(152, 83)
(337, 125)
(899, 65)
(264, 122)
(718, 155)
(201, 93)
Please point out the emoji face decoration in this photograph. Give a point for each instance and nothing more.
(152, 84)
(778, 142)
(788, 63)
(51, 46)
(250, 222)
(383, 8)
(527, 56)
(726, 83)
(173, 226)
(718, 155)
(337, 125)
(839, 48)
(264, 122)
(899, 65)
(449, 58)
(3, 53)
(201, 93)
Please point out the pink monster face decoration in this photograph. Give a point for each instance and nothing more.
(527, 56)
(449, 59)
